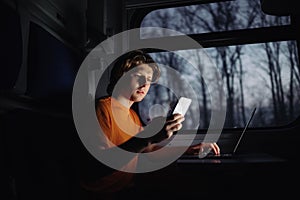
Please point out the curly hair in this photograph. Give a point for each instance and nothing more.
(129, 61)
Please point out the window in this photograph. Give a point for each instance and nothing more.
(256, 55)
(212, 17)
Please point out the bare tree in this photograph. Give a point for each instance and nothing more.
(225, 16)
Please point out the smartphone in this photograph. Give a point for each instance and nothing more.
(182, 106)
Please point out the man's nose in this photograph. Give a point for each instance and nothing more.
(143, 81)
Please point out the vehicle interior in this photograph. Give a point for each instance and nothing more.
(234, 54)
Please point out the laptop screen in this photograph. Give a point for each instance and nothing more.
(244, 130)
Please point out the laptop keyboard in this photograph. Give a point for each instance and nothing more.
(196, 156)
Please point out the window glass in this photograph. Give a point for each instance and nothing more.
(212, 17)
(265, 75)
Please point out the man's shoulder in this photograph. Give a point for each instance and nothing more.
(103, 102)
(106, 99)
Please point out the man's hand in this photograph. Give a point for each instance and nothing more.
(204, 148)
(162, 128)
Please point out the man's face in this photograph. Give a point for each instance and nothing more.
(135, 84)
(140, 82)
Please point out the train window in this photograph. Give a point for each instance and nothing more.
(256, 54)
(212, 17)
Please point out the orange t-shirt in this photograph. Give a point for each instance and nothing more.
(119, 124)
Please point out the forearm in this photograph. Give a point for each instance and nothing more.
(145, 140)
(122, 154)
(136, 144)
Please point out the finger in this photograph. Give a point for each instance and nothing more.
(177, 120)
(173, 127)
(178, 127)
(175, 117)
(172, 124)
(196, 147)
(215, 148)
(169, 134)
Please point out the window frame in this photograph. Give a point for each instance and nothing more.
(215, 39)
(137, 12)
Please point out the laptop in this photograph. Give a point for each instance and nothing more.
(223, 155)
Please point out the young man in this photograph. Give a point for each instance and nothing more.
(131, 79)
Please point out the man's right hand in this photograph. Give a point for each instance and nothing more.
(163, 128)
